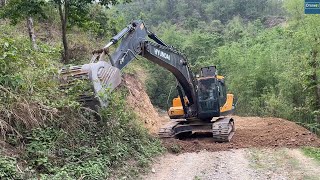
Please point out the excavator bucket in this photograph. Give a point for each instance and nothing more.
(103, 77)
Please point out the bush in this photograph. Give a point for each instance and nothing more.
(93, 150)
(8, 168)
(59, 139)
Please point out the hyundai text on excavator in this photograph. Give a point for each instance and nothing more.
(202, 102)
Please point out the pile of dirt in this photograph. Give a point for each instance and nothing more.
(251, 132)
(140, 102)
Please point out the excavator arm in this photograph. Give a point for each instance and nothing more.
(135, 40)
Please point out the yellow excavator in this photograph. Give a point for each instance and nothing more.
(202, 103)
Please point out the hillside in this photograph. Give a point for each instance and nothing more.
(47, 134)
(267, 51)
(139, 101)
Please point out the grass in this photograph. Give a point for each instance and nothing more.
(312, 152)
(175, 148)
(8, 168)
(271, 160)
(196, 178)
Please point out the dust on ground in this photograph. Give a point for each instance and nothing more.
(251, 132)
(281, 163)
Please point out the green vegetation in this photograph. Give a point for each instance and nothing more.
(196, 178)
(94, 149)
(71, 13)
(312, 152)
(8, 168)
(54, 137)
(175, 148)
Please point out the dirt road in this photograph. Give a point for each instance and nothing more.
(262, 148)
(236, 164)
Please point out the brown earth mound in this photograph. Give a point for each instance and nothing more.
(251, 132)
(140, 102)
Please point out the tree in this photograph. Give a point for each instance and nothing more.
(75, 12)
(18, 10)
(71, 13)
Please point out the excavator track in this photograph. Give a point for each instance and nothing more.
(223, 129)
(168, 131)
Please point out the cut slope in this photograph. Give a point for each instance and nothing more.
(140, 102)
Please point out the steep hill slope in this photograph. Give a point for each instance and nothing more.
(140, 102)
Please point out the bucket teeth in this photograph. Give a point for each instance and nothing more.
(103, 76)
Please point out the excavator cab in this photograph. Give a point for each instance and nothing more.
(213, 99)
(212, 93)
(209, 93)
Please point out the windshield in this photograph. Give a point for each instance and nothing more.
(207, 94)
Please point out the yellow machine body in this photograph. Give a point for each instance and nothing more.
(176, 111)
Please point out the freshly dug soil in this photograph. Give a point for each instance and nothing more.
(250, 132)
(139, 101)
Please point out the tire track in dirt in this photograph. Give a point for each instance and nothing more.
(249, 164)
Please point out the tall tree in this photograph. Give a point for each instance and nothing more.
(31, 32)
(63, 7)
(75, 12)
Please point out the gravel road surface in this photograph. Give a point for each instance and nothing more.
(236, 164)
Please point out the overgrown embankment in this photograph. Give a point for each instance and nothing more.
(47, 134)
